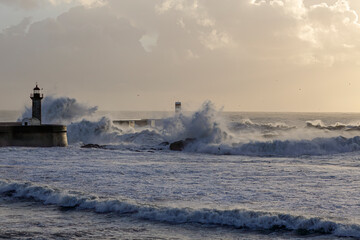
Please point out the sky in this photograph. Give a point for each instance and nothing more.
(243, 55)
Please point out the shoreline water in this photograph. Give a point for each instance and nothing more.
(320, 187)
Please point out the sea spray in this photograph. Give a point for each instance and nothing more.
(62, 110)
(99, 132)
(205, 125)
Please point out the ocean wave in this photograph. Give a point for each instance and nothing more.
(238, 218)
(247, 124)
(287, 148)
(318, 124)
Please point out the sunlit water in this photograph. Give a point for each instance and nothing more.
(267, 176)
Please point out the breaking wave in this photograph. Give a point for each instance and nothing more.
(247, 124)
(238, 218)
(277, 148)
(318, 124)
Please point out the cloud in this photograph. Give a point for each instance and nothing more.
(27, 4)
(88, 3)
(151, 53)
(31, 4)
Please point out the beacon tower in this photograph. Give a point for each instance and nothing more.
(36, 98)
(177, 107)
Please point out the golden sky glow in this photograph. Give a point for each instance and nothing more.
(250, 55)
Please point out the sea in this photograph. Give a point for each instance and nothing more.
(243, 175)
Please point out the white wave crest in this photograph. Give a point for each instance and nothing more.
(232, 218)
(318, 124)
(247, 124)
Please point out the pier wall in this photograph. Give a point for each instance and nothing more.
(33, 136)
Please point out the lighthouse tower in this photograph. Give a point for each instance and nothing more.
(36, 98)
(177, 107)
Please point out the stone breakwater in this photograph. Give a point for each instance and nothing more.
(13, 134)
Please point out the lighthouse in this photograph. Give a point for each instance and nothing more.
(177, 107)
(36, 98)
(30, 132)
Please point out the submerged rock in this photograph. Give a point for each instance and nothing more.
(180, 145)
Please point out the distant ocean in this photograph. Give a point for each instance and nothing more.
(245, 176)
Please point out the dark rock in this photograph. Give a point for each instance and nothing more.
(180, 145)
(177, 146)
(94, 146)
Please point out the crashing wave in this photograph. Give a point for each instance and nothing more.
(105, 132)
(61, 110)
(205, 124)
(85, 131)
(238, 218)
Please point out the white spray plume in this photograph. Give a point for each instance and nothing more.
(61, 110)
(206, 125)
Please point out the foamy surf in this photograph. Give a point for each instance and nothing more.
(237, 218)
